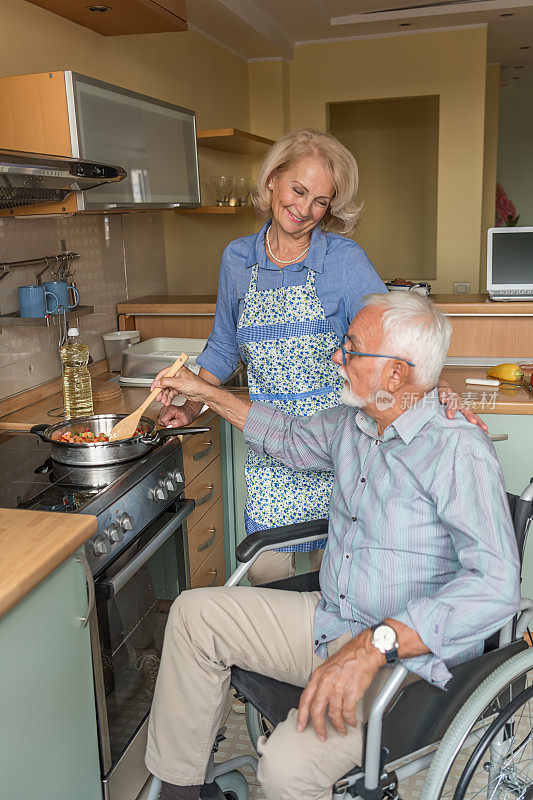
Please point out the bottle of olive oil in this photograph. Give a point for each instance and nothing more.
(77, 390)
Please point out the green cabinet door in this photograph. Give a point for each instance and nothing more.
(516, 458)
(49, 747)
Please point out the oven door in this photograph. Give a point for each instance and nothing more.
(133, 597)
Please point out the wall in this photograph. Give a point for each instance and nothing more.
(450, 64)
(396, 146)
(490, 157)
(515, 155)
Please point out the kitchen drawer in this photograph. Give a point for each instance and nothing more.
(205, 536)
(213, 571)
(205, 490)
(199, 450)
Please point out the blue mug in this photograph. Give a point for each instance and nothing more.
(33, 301)
(60, 290)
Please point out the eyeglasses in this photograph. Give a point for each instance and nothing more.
(346, 352)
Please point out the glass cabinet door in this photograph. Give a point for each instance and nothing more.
(154, 141)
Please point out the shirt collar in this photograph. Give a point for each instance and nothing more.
(408, 424)
(314, 259)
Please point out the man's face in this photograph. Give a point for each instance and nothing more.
(362, 374)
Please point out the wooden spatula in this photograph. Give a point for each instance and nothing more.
(127, 426)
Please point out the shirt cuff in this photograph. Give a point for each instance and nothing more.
(258, 422)
(428, 618)
(215, 365)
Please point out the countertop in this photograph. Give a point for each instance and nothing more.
(463, 304)
(32, 545)
(484, 399)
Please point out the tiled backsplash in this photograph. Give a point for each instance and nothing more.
(29, 355)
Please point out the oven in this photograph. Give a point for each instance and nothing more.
(133, 595)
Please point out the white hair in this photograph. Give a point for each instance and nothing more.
(414, 329)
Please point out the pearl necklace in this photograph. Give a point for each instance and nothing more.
(273, 257)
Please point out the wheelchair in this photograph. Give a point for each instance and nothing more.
(475, 739)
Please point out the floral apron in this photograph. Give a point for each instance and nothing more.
(287, 342)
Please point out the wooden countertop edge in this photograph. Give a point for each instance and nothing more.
(32, 545)
(206, 309)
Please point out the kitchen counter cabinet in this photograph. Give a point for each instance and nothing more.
(49, 737)
(485, 327)
(124, 17)
(187, 316)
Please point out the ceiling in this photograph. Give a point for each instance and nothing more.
(260, 29)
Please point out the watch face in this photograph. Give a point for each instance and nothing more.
(384, 638)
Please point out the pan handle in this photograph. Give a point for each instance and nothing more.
(165, 433)
(39, 430)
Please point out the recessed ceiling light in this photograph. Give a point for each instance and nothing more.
(507, 14)
(98, 9)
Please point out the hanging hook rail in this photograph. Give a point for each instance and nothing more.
(61, 261)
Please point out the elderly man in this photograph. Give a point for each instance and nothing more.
(421, 563)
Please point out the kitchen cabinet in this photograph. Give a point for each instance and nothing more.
(122, 16)
(64, 113)
(516, 459)
(49, 737)
(202, 464)
(183, 316)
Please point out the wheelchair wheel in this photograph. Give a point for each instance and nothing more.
(256, 724)
(487, 751)
(234, 785)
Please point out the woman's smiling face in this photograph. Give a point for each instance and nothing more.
(301, 196)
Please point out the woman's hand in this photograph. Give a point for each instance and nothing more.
(453, 403)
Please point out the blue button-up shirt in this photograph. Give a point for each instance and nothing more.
(419, 526)
(343, 276)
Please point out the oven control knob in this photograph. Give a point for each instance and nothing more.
(159, 492)
(177, 476)
(114, 532)
(169, 482)
(126, 522)
(101, 545)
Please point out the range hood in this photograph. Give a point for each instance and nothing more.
(29, 178)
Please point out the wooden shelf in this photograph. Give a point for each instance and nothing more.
(215, 210)
(233, 140)
(14, 317)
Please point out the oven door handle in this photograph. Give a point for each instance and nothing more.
(115, 584)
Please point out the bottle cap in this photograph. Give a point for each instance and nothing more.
(73, 332)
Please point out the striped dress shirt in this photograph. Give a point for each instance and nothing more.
(419, 526)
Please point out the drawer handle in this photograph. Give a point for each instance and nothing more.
(203, 453)
(215, 579)
(209, 542)
(498, 437)
(207, 496)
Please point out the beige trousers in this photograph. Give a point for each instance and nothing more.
(263, 630)
(274, 565)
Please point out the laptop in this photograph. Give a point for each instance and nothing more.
(510, 263)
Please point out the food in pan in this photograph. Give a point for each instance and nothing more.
(87, 437)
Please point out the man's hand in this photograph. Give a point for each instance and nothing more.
(338, 685)
(453, 403)
(179, 416)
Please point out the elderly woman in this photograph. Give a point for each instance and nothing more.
(285, 299)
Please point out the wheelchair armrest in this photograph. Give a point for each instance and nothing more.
(286, 535)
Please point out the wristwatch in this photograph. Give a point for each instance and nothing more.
(384, 638)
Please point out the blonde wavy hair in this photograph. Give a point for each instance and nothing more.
(344, 211)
